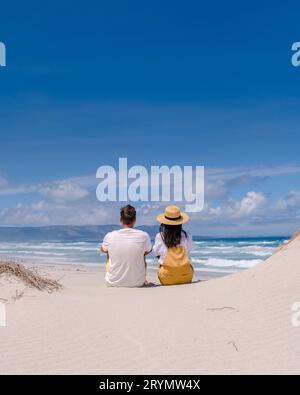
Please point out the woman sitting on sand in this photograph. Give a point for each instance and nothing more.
(172, 247)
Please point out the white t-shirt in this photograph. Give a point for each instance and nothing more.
(160, 249)
(126, 249)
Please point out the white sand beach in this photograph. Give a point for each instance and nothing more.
(241, 323)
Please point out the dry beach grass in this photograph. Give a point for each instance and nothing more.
(29, 277)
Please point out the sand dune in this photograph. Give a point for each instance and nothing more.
(237, 324)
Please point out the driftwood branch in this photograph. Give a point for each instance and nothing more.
(234, 345)
(222, 308)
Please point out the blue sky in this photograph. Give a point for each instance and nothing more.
(160, 83)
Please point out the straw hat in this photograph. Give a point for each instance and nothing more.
(172, 216)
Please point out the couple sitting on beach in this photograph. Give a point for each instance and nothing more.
(127, 248)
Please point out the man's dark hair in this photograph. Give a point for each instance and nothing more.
(128, 215)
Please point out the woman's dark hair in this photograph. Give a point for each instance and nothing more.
(171, 234)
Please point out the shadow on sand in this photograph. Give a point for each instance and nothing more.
(154, 285)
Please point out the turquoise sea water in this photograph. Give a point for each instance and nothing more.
(222, 256)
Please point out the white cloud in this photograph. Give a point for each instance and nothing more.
(68, 189)
(250, 204)
(253, 171)
(72, 202)
(216, 189)
(3, 182)
(292, 200)
(63, 191)
(231, 210)
(43, 212)
(6, 189)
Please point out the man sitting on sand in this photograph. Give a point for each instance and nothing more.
(126, 249)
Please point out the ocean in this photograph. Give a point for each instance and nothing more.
(218, 256)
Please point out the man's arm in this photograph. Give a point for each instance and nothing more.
(104, 249)
(105, 243)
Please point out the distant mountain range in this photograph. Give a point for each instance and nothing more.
(62, 233)
(77, 233)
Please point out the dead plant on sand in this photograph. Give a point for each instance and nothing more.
(29, 276)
